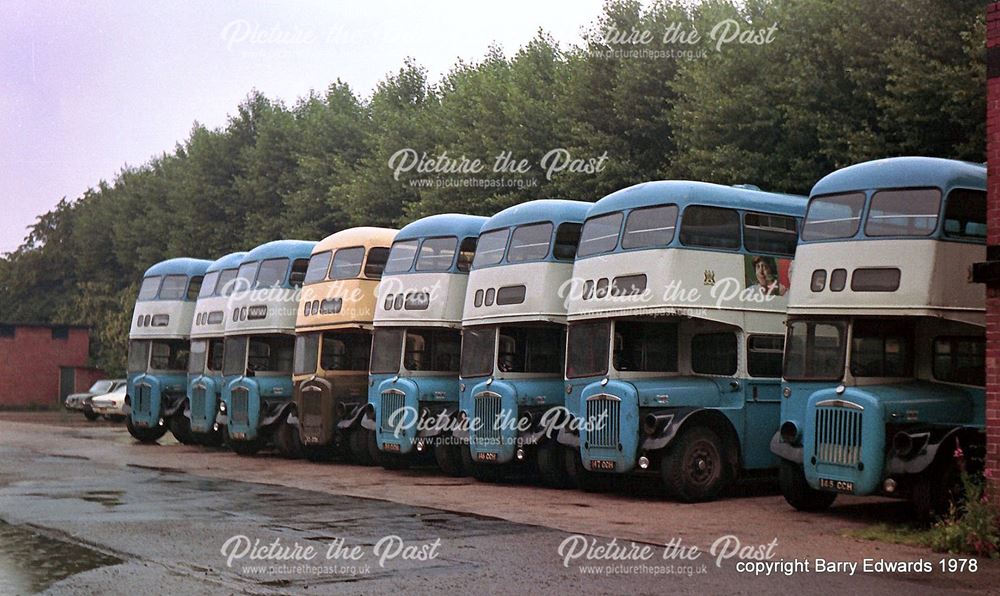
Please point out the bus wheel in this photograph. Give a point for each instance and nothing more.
(90, 414)
(552, 466)
(145, 435)
(693, 468)
(247, 448)
(449, 459)
(798, 493)
(591, 482)
(937, 488)
(286, 438)
(180, 427)
(361, 444)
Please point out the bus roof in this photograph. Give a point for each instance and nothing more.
(553, 210)
(904, 172)
(293, 249)
(686, 192)
(363, 236)
(181, 266)
(445, 224)
(230, 261)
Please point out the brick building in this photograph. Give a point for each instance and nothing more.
(41, 364)
(993, 242)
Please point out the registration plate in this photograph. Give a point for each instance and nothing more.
(392, 447)
(486, 456)
(602, 465)
(841, 486)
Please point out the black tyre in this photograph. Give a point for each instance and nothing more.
(90, 414)
(361, 444)
(246, 448)
(145, 435)
(798, 493)
(180, 427)
(694, 467)
(937, 488)
(449, 459)
(286, 439)
(552, 467)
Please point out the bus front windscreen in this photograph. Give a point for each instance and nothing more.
(814, 350)
(478, 347)
(587, 349)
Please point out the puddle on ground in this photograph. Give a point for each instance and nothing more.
(31, 562)
(108, 498)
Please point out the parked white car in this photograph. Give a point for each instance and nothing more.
(81, 401)
(110, 405)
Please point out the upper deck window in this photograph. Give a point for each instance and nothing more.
(194, 287)
(209, 284)
(833, 216)
(401, 256)
(437, 254)
(467, 252)
(600, 234)
(224, 286)
(347, 263)
(319, 264)
(375, 265)
(530, 243)
(908, 212)
(272, 273)
(567, 241)
(965, 214)
(770, 233)
(297, 277)
(710, 227)
(174, 287)
(246, 276)
(650, 226)
(150, 286)
(491, 248)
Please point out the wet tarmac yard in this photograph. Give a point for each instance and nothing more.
(85, 510)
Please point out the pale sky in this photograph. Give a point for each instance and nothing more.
(86, 87)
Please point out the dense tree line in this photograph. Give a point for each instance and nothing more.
(833, 83)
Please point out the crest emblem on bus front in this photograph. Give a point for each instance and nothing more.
(709, 277)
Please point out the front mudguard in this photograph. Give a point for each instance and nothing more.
(933, 440)
(674, 419)
(785, 451)
(275, 412)
(362, 415)
(171, 404)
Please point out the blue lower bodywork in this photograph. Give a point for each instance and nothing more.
(153, 397)
(402, 405)
(255, 403)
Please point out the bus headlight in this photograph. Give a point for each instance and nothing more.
(790, 432)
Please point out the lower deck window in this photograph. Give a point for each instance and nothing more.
(814, 350)
(588, 349)
(531, 349)
(881, 348)
(271, 354)
(138, 356)
(171, 354)
(714, 354)
(478, 346)
(960, 360)
(645, 346)
(764, 355)
(345, 350)
(432, 350)
(387, 347)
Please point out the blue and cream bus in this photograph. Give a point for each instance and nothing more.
(259, 347)
(413, 385)
(514, 337)
(676, 322)
(159, 344)
(204, 387)
(884, 358)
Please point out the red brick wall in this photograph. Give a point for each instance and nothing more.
(993, 222)
(86, 377)
(30, 361)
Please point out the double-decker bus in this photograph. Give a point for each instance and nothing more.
(417, 343)
(207, 340)
(159, 343)
(514, 337)
(676, 322)
(334, 341)
(259, 347)
(884, 359)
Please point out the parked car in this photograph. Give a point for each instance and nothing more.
(81, 401)
(110, 405)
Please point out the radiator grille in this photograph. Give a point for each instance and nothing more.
(240, 406)
(142, 400)
(487, 413)
(603, 417)
(391, 402)
(838, 436)
(198, 403)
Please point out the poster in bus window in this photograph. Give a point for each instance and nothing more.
(768, 275)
